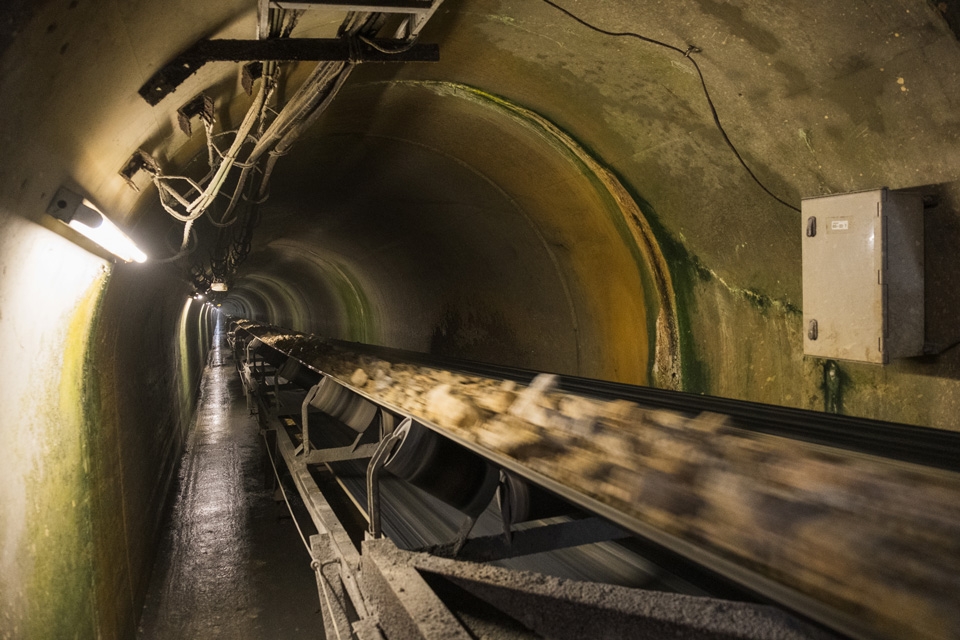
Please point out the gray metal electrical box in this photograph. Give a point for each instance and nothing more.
(863, 276)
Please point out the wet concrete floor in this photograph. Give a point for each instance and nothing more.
(231, 564)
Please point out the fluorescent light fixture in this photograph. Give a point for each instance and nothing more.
(84, 217)
(218, 286)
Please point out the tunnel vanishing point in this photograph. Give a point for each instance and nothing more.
(606, 190)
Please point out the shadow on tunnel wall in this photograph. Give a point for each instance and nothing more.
(941, 284)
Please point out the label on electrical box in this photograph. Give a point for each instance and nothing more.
(838, 225)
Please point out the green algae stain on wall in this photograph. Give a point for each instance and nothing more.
(685, 275)
(356, 306)
(59, 586)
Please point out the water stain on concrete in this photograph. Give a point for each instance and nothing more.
(231, 565)
(739, 25)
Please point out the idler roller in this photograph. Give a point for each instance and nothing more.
(520, 501)
(252, 348)
(299, 374)
(444, 469)
(272, 356)
(343, 404)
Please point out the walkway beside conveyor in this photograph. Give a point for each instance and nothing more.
(231, 563)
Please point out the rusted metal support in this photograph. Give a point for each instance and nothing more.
(252, 71)
(201, 105)
(172, 75)
(140, 160)
(327, 567)
(551, 537)
(370, 6)
(374, 468)
(554, 607)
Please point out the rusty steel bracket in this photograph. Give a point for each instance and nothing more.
(370, 6)
(140, 160)
(201, 105)
(252, 71)
(545, 537)
(172, 75)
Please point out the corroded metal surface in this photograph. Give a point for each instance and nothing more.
(874, 540)
(175, 72)
(570, 610)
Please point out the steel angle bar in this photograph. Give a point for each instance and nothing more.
(339, 454)
(548, 537)
(175, 72)
(370, 6)
(379, 458)
(565, 609)
(305, 417)
(410, 28)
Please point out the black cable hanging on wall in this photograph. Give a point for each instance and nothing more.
(686, 53)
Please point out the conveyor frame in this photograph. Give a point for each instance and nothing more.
(336, 538)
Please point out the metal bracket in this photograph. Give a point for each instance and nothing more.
(369, 6)
(252, 71)
(353, 451)
(548, 537)
(305, 417)
(201, 105)
(384, 449)
(140, 160)
(338, 454)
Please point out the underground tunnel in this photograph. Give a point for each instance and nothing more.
(465, 194)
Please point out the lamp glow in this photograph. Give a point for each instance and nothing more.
(84, 217)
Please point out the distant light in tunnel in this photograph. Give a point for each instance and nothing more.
(83, 216)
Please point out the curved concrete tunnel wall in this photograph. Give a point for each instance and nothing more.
(545, 196)
(436, 218)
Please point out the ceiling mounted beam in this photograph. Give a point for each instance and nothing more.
(172, 75)
(371, 6)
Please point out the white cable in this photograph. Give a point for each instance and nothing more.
(199, 205)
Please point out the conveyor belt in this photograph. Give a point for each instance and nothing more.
(908, 443)
(931, 448)
(414, 520)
